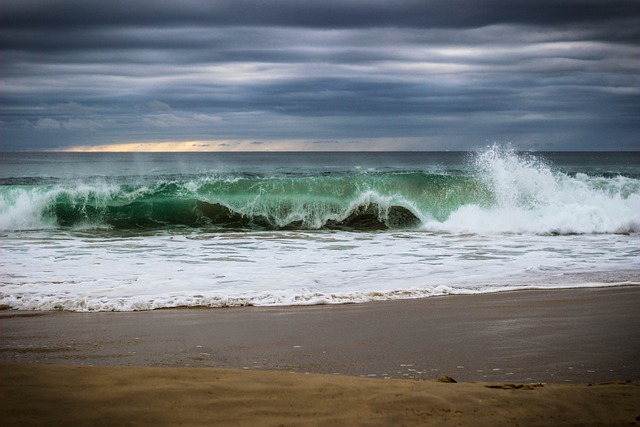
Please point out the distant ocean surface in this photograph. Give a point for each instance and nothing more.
(140, 231)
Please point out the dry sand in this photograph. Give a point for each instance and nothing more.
(118, 396)
(511, 342)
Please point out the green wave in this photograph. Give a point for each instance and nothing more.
(359, 202)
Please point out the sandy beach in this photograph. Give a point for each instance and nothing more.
(569, 357)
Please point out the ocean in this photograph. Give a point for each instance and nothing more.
(142, 231)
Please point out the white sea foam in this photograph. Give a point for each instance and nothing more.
(22, 210)
(533, 198)
(27, 207)
(80, 272)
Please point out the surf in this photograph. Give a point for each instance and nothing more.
(499, 191)
(532, 196)
(247, 203)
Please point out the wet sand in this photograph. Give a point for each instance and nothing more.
(574, 335)
(566, 339)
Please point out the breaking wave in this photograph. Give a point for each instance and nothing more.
(501, 192)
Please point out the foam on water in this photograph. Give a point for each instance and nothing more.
(508, 221)
(81, 272)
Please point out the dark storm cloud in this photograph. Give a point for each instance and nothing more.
(308, 14)
(440, 74)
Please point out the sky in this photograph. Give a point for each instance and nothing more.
(210, 75)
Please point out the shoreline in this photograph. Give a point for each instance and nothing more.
(553, 357)
(560, 335)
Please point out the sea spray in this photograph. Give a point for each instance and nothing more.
(529, 196)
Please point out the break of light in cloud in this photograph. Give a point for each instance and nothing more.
(370, 144)
(364, 75)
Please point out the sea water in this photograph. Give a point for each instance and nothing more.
(139, 231)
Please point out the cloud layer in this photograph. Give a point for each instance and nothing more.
(351, 74)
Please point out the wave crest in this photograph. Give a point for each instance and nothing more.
(529, 196)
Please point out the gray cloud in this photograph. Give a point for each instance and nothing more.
(438, 74)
